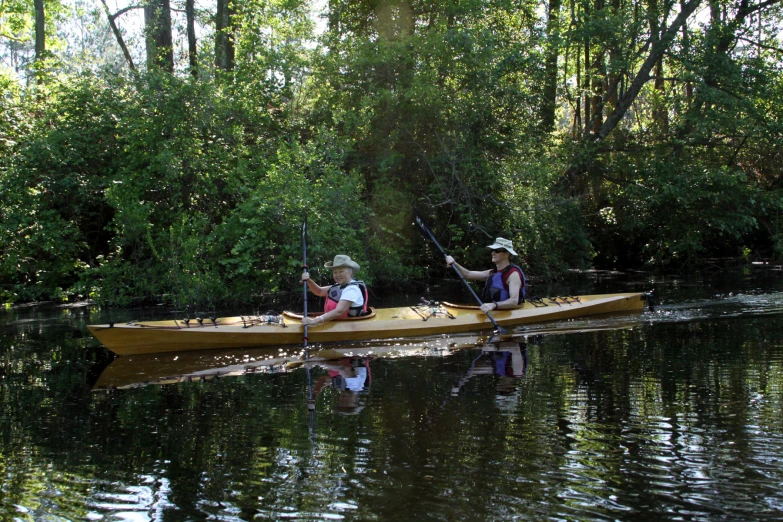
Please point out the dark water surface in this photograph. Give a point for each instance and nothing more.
(676, 414)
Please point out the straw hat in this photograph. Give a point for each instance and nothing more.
(342, 261)
(503, 243)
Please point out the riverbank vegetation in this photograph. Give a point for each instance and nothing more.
(179, 166)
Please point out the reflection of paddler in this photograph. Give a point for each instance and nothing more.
(350, 376)
(507, 360)
(510, 364)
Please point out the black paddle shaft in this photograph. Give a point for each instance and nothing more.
(427, 231)
(304, 270)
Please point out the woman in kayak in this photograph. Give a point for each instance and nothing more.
(505, 284)
(346, 298)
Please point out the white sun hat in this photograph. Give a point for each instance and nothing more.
(503, 243)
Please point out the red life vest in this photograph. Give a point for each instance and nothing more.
(336, 292)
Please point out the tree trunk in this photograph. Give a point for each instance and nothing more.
(549, 107)
(660, 113)
(643, 76)
(118, 34)
(191, 30)
(613, 73)
(224, 37)
(598, 90)
(597, 81)
(577, 127)
(686, 47)
(40, 37)
(157, 27)
(40, 30)
(586, 86)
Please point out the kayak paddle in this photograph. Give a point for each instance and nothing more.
(310, 401)
(427, 232)
(304, 283)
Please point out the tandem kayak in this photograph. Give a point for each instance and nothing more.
(425, 319)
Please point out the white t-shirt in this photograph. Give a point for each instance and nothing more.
(353, 293)
(357, 383)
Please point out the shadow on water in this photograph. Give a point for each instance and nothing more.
(671, 414)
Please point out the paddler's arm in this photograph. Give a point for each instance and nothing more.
(342, 307)
(314, 288)
(514, 287)
(468, 274)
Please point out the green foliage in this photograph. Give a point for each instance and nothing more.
(679, 210)
(436, 110)
(52, 207)
(259, 244)
(168, 187)
(211, 213)
(17, 18)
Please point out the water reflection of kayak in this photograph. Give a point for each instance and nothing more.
(285, 329)
(169, 368)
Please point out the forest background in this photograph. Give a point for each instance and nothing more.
(168, 151)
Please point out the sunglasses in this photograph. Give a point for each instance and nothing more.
(499, 250)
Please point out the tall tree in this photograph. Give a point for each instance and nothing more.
(40, 38)
(549, 103)
(157, 29)
(660, 111)
(40, 30)
(655, 47)
(117, 34)
(190, 18)
(721, 38)
(224, 35)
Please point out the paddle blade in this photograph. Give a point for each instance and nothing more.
(419, 223)
(426, 232)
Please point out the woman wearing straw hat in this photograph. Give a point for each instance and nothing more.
(505, 284)
(346, 298)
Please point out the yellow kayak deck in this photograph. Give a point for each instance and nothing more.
(383, 323)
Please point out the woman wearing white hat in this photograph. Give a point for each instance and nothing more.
(505, 284)
(346, 298)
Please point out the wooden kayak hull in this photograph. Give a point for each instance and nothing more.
(385, 323)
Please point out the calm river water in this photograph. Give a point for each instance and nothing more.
(675, 414)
